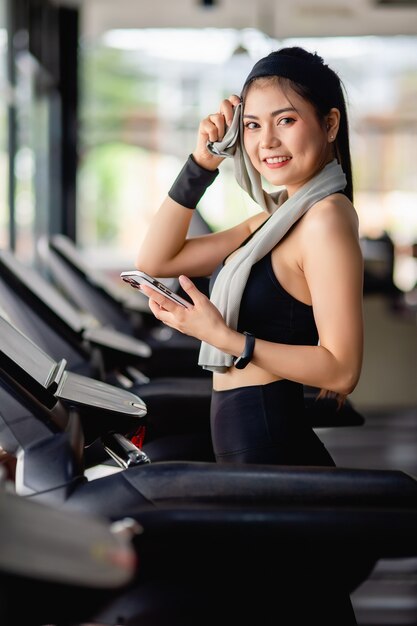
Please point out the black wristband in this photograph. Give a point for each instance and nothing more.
(241, 361)
(191, 183)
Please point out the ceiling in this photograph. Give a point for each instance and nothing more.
(276, 18)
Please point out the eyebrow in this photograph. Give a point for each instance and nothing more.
(273, 114)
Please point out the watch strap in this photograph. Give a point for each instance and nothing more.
(241, 361)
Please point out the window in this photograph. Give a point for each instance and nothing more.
(144, 93)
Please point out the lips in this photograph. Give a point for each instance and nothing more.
(277, 159)
(276, 162)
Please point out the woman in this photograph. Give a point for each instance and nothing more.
(286, 303)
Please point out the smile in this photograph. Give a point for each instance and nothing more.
(280, 159)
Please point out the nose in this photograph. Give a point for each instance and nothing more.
(269, 137)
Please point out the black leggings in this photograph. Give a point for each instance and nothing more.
(265, 424)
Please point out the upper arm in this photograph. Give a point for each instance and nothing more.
(333, 268)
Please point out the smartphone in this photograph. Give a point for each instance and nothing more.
(136, 278)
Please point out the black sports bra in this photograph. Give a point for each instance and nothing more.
(269, 312)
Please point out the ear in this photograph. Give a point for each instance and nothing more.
(332, 124)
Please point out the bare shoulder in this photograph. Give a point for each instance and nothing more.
(334, 215)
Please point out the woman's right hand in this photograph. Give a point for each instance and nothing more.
(213, 128)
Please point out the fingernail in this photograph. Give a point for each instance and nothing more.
(184, 281)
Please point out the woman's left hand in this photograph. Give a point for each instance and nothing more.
(201, 319)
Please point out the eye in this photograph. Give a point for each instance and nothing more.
(251, 125)
(284, 121)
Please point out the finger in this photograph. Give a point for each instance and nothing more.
(155, 308)
(235, 100)
(190, 288)
(213, 126)
(159, 299)
(227, 108)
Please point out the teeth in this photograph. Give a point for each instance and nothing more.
(280, 159)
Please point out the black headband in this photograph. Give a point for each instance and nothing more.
(314, 75)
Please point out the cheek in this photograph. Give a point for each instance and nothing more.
(252, 152)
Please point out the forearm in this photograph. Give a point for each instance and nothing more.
(314, 366)
(167, 234)
(161, 252)
(164, 239)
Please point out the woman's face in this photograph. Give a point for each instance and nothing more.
(283, 137)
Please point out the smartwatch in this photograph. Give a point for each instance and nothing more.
(241, 361)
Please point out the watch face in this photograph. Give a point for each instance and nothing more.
(240, 363)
